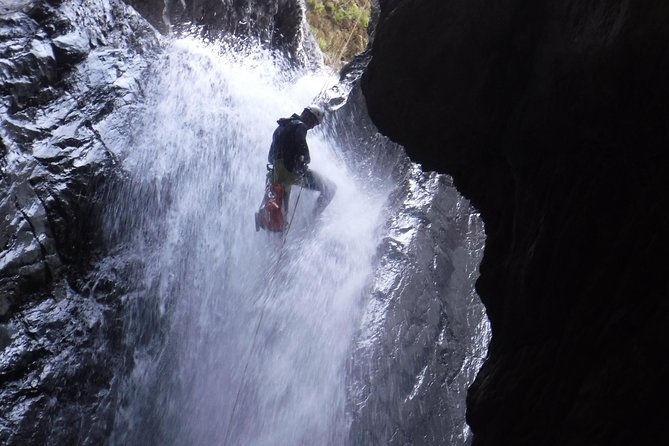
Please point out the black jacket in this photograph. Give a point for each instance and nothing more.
(289, 143)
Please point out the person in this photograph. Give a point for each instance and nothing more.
(289, 158)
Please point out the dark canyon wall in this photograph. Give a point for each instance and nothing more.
(278, 23)
(553, 119)
(69, 72)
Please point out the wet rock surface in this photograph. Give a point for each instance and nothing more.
(424, 332)
(69, 70)
(280, 24)
(551, 117)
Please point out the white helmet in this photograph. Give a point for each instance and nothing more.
(317, 112)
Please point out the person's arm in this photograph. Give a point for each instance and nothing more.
(302, 153)
(274, 149)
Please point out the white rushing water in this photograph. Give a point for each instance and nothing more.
(196, 164)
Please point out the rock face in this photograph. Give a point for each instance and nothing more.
(68, 72)
(424, 333)
(280, 24)
(552, 118)
(59, 82)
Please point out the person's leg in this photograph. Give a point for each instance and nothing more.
(282, 175)
(315, 181)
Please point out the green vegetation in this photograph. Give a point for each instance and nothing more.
(340, 27)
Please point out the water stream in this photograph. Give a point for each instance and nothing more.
(195, 161)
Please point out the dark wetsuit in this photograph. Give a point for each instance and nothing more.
(289, 153)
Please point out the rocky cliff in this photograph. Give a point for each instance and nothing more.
(280, 24)
(552, 118)
(68, 73)
(424, 333)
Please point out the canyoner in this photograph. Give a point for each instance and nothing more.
(288, 166)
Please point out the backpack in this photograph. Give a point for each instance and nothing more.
(283, 139)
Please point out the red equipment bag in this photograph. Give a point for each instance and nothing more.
(270, 215)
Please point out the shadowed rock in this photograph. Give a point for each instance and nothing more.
(68, 72)
(551, 117)
(279, 24)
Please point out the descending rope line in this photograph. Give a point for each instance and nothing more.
(290, 222)
(340, 53)
(262, 314)
(318, 98)
(348, 39)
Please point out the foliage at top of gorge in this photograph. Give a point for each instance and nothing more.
(340, 28)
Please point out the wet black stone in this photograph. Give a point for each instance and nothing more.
(277, 23)
(59, 344)
(552, 118)
(70, 49)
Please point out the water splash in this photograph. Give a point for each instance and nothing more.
(195, 161)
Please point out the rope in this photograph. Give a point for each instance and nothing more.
(290, 222)
(342, 49)
(348, 39)
(278, 260)
(262, 315)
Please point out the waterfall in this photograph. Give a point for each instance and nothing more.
(196, 162)
(249, 338)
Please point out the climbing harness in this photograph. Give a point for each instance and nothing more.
(271, 216)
